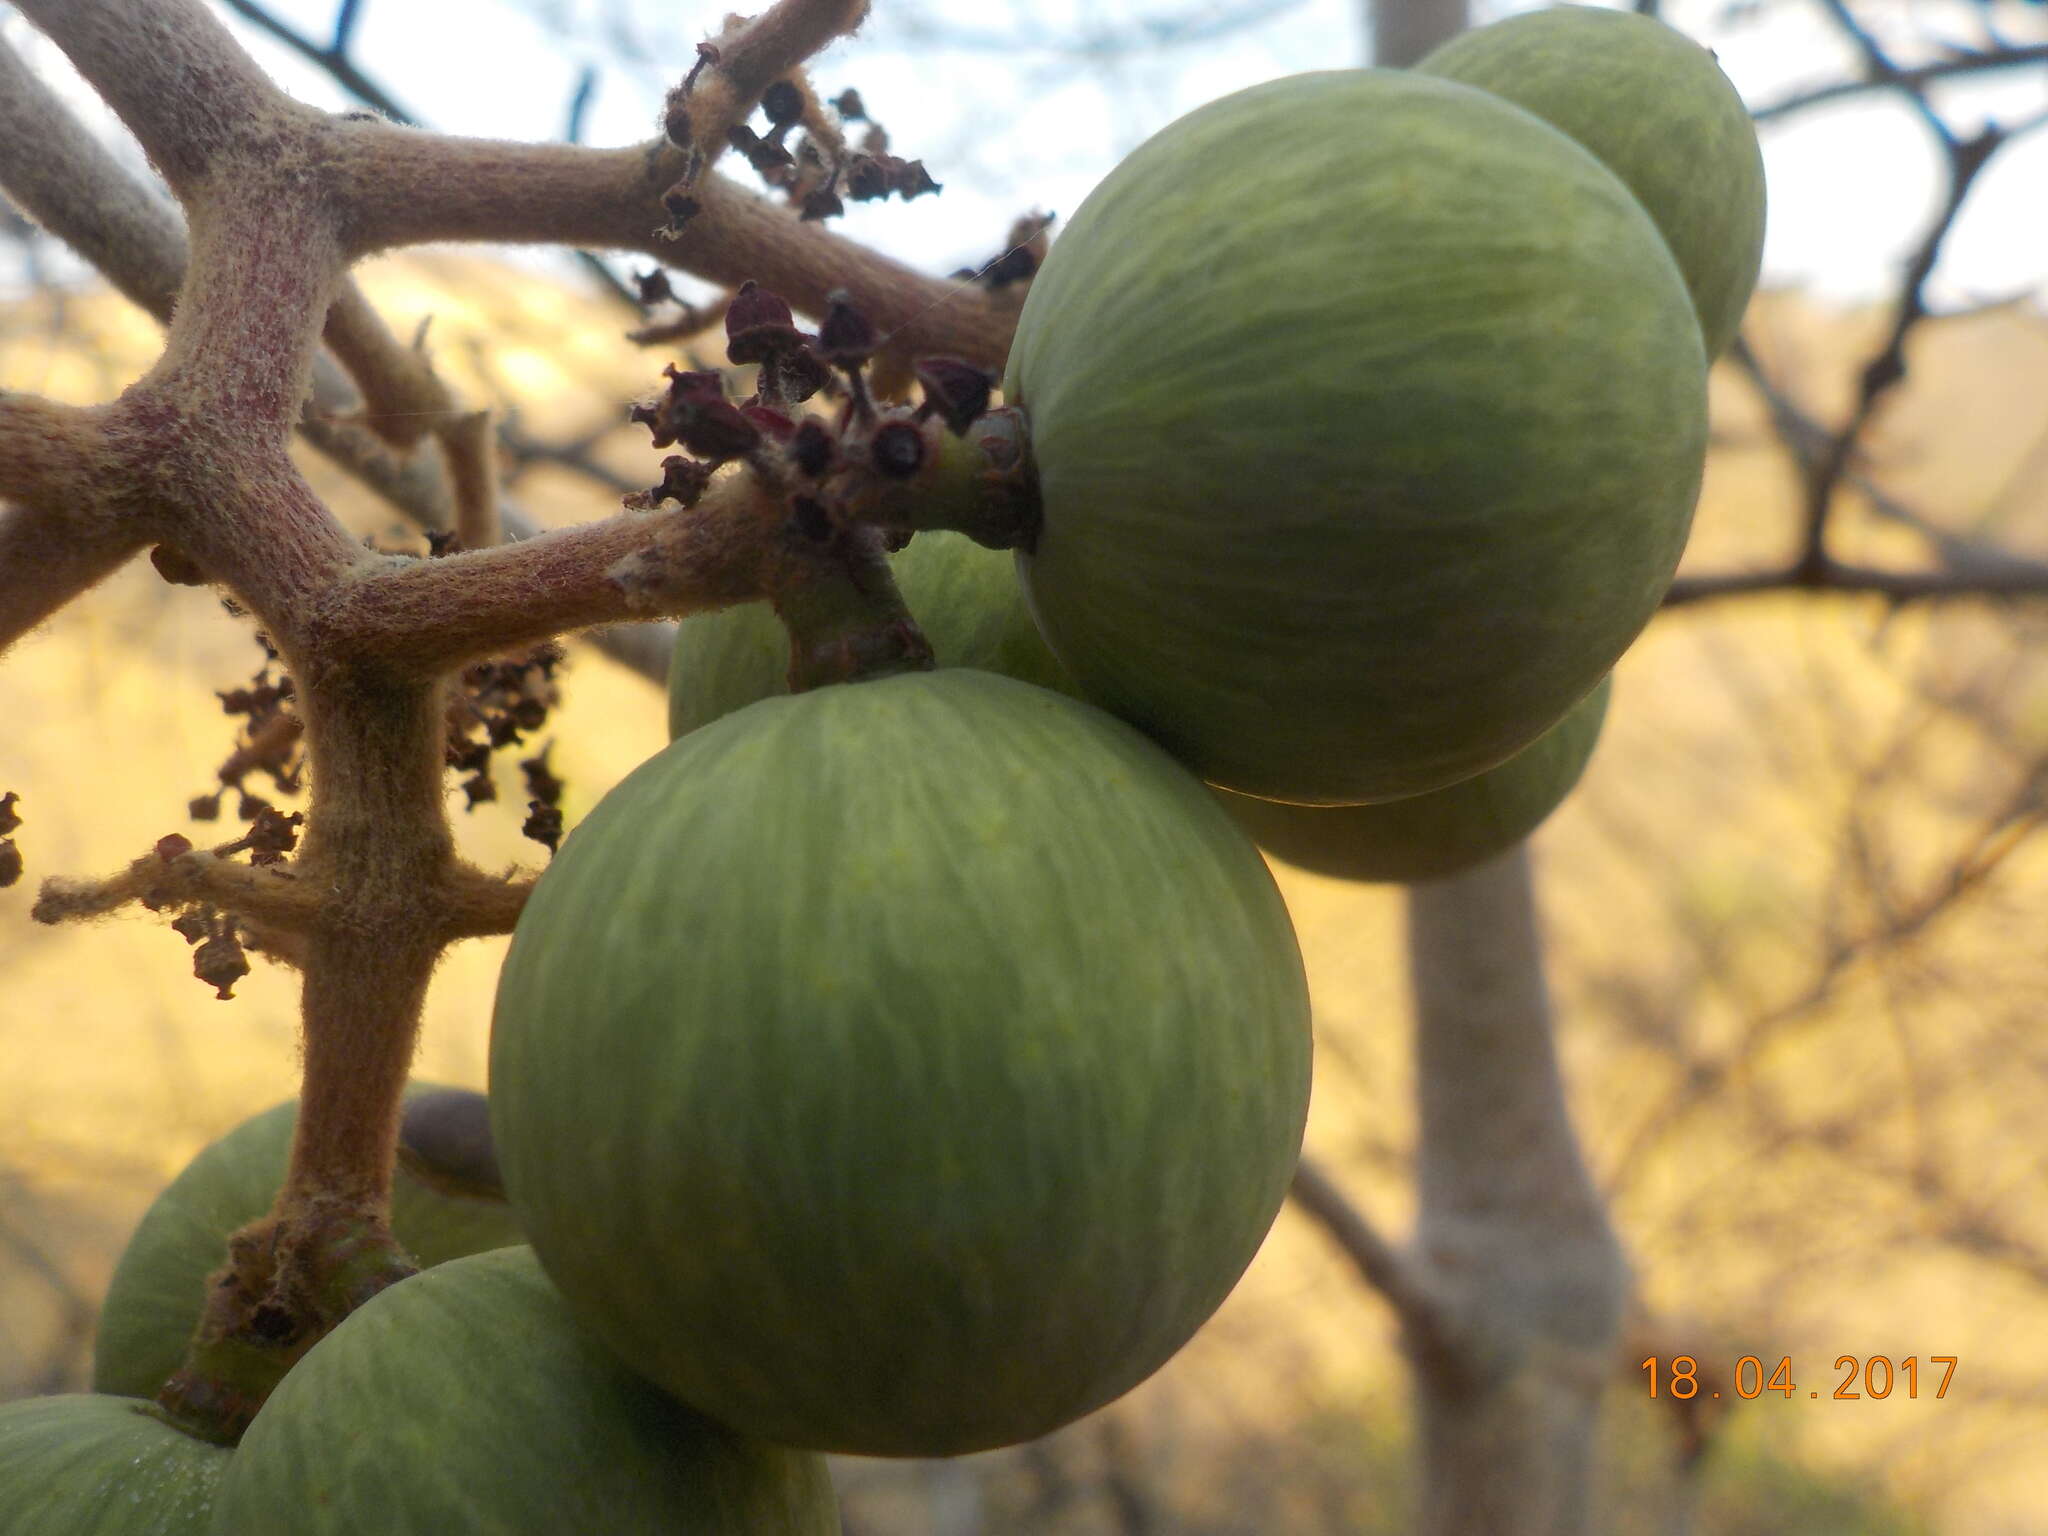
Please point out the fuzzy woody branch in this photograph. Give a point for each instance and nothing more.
(742, 62)
(278, 200)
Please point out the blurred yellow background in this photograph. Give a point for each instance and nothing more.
(1797, 915)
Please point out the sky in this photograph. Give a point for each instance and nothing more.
(1009, 124)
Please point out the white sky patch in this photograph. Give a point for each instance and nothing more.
(1007, 126)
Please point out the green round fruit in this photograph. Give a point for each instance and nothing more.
(964, 598)
(467, 1399)
(1431, 836)
(904, 1068)
(1368, 412)
(153, 1301)
(87, 1465)
(1656, 109)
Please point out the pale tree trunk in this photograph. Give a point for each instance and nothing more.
(1525, 1282)
(1402, 31)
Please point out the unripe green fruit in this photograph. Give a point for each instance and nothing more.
(88, 1465)
(967, 601)
(466, 1399)
(964, 598)
(1429, 837)
(1369, 412)
(159, 1285)
(904, 1068)
(1656, 109)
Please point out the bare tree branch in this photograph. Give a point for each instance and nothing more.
(1912, 78)
(1379, 1263)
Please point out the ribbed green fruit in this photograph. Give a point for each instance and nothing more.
(87, 1465)
(153, 1301)
(1428, 837)
(967, 600)
(1655, 107)
(466, 1399)
(964, 598)
(1369, 411)
(904, 1068)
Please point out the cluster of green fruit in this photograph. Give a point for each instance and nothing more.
(911, 1066)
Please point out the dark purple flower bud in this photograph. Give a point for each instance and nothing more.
(821, 204)
(956, 391)
(654, 288)
(866, 179)
(811, 518)
(764, 155)
(717, 430)
(754, 305)
(694, 386)
(811, 448)
(910, 179)
(799, 374)
(897, 450)
(649, 416)
(846, 339)
(783, 103)
(681, 208)
(758, 325)
(682, 480)
(1014, 266)
(770, 421)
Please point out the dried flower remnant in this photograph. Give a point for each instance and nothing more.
(270, 742)
(871, 462)
(653, 288)
(543, 824)
(10, 856)
(492, 708)
(219, 956)
(955, 391)
(541, 782)
(760, 328)
(1018, 262)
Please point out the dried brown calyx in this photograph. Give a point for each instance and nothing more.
(1011, 269)
(10, 856)
(870, 463)
(496, 705)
